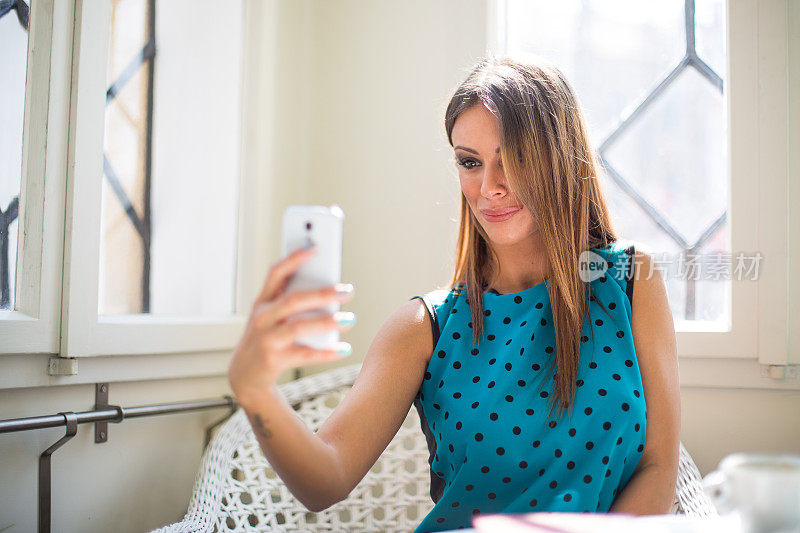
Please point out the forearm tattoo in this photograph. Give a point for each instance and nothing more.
(259, 426)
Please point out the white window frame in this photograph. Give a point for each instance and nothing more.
(33, 325)
(84, 331)
(763, 344)
(60, 213)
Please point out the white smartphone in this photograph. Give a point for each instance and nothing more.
(321, 226)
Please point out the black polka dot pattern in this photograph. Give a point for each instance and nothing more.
(484, 407)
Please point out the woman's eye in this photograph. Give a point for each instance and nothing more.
(469, 164)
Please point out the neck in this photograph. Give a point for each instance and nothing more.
(521, 266)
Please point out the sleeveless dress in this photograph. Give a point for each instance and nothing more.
(483, 411)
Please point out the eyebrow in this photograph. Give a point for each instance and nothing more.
(473, 151)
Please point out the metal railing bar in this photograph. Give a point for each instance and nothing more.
(113, 414)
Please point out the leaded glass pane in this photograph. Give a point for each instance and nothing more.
(656, 113)
(171, 172)
(13, 65)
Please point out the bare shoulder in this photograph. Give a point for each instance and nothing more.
(409, 328)
(648, 281)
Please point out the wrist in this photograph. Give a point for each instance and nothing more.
(255, 399)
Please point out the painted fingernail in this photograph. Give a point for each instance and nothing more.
(344, 348)
(345, 318)
(344, 289)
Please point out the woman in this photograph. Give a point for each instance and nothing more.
(547, 329)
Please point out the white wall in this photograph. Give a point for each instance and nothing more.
(379, 145)
(356, 119)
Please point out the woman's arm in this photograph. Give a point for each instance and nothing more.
(322, 468)
(305, 464)
(369, 416)
(651, 490)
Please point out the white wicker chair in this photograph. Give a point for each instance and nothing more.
(236, 489)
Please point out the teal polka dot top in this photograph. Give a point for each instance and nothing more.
(483, 411)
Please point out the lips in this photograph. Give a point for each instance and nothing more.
(499, 212)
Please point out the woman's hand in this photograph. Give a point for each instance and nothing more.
(268, 347)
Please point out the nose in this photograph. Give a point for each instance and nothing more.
(494, 181)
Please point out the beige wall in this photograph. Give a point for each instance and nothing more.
(140, 479)
(716, 422)
(356, 119)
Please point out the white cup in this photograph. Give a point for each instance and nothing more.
(763, 488)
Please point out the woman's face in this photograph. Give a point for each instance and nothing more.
(476, 142)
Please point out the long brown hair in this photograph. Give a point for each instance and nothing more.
(550, 166)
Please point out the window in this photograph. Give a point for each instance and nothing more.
(30, 251)
(168, 223)
(671, 91)
(157, 129)
(651, 81)
(135, 168)
(126, 218)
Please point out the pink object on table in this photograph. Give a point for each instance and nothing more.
(560, 522)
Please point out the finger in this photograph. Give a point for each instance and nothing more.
(302, 355)
(281, 272)
(289, 331)
(299, 301)
(287, 304)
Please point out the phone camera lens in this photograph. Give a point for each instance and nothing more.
(308, 226)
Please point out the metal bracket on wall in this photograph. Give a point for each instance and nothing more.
(101, 404)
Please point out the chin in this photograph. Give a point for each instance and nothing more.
(507, 240)
(511, 235)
